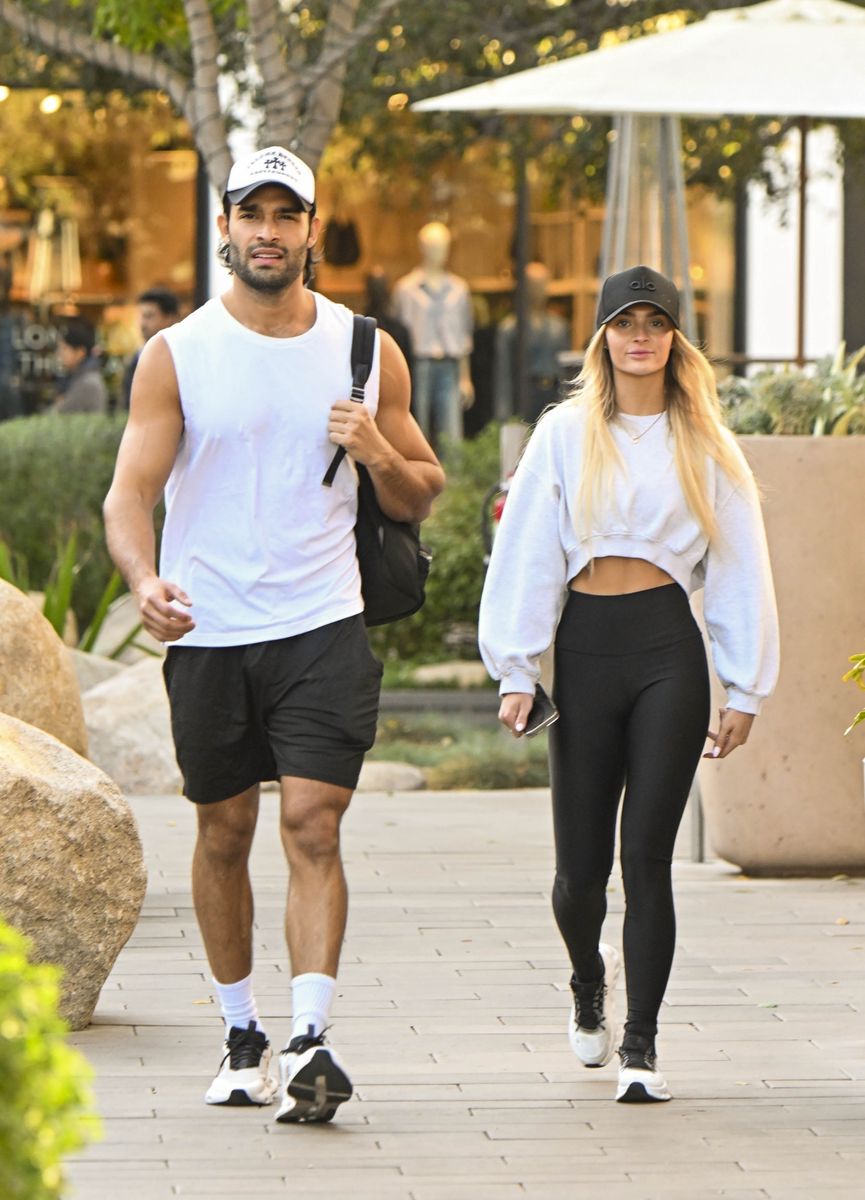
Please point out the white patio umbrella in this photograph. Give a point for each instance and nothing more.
(799, 58)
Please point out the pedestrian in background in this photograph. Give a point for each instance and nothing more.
(82, 388)
(158, 309)
(630, 495)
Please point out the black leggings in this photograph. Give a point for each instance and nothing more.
(632, 688)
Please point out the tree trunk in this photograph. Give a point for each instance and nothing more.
(208, 123)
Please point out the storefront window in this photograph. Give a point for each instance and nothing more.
(97, 204)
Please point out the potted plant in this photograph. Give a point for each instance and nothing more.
(791, 801)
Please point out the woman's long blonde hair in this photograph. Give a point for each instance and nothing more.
(694, 413)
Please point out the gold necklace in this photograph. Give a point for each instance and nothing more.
(642, 434)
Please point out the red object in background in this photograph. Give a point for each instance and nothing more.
(499, 506)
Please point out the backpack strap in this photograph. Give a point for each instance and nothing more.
(362, 350)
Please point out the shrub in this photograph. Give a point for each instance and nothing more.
(453, 533)
(54, 472)
(462, 750)
(45, 1112)
(830, 398)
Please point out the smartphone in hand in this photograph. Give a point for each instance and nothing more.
(542, 713)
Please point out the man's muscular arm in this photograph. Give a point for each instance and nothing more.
(403, 467)
(144, 462)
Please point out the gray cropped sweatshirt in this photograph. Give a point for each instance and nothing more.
(538, 550)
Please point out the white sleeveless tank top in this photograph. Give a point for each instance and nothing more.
(262, 548)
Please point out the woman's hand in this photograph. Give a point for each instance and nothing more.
(733, 731)
(514, 711)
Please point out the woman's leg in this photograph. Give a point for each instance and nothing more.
(587, 758)
(665, 737)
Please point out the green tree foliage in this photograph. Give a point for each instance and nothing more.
(428, 50)
(47, 1106)
(305, 65)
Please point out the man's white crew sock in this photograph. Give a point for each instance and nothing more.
(311, 1000)
(237, 1003)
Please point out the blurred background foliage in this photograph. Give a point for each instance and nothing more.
(418, 51)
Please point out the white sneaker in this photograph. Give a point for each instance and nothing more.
(243, 1076)
(592, 1022)
(640, 1081)
(313, 1081)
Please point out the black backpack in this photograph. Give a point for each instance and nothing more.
(393, 564)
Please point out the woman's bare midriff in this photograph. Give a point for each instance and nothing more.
(614, 576)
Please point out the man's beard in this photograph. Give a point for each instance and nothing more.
(276, 279)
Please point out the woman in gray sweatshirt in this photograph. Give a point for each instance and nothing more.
(630, 495)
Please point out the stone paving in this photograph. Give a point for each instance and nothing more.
(451, 1015)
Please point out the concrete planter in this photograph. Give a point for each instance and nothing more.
(791, 802)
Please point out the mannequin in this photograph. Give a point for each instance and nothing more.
(435, 306)
(547, 336)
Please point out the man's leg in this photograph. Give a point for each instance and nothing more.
(222, 895)
(314, 1080)
(221, 890)
(317, 905)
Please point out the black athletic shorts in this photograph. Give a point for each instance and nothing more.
(304, 705)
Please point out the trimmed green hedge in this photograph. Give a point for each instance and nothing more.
(46, 1110)
(54, 472)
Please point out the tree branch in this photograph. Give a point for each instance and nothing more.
(324, 80)
(340, 40)
(64, 39)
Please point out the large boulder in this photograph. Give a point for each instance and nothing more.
(129, 725)
(72, 873)
(380, 776)
(92, 669)
(37, 682)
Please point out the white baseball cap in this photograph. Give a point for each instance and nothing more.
(274, 164)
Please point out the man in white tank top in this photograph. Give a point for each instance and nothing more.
(235, 413)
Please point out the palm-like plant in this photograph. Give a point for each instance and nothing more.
(830, 399)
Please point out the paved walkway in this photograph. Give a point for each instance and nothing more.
(451, 1015)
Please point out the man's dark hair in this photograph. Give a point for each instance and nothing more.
(78, 333)
(164, 299)
(223, 255)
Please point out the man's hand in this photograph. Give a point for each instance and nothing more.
(514, 711)
(733, 731)
(159, 616)
(351, 425)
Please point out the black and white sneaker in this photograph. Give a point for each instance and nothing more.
(313, 1081)
(640, 1081)
(592, 1022)
(243, 1076)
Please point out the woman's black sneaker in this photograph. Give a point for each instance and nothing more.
(640, 1081)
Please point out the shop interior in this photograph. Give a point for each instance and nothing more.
(99, 201)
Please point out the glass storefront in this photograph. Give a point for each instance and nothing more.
(97, 204)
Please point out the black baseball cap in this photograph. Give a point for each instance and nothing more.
(637, 285)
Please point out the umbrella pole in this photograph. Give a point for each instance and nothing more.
(804, 124)
(521, 295)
